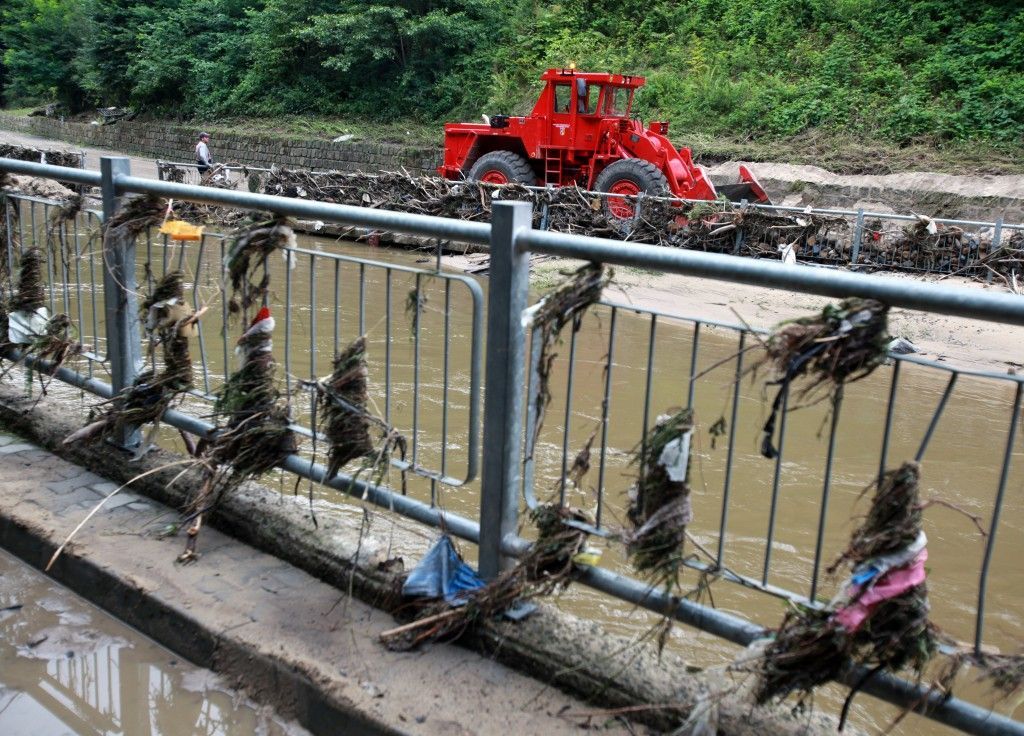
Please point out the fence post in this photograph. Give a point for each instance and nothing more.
(504, 383)
(120, 305)
(858, 237)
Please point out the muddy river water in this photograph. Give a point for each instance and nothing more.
(429, 347)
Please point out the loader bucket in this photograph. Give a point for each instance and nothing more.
(747, 189)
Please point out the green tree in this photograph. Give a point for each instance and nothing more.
(41, 38)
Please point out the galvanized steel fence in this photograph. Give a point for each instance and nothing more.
(436, 379)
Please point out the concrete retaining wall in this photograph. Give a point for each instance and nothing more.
(172, 142)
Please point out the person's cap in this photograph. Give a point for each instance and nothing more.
(204, 135)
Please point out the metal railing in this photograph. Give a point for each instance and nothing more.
(506, 472)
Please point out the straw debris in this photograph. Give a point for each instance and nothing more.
(343, 402)
(170, 323)
(880, 617)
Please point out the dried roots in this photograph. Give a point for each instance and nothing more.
(250, 248)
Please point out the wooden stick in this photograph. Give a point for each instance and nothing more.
(419, 622)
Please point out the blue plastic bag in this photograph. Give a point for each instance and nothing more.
(442, 574)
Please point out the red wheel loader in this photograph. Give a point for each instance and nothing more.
(580, 132)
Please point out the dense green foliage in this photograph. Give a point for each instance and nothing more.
(932, 69)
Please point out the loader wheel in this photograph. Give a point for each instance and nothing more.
(628, 177)
(502, 167)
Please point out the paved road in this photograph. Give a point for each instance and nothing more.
(140, 166)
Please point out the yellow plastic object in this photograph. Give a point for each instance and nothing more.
(587, 556)
(181, 230)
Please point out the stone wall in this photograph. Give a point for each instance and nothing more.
(172, 142)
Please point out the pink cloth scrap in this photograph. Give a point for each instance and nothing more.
(893, 583)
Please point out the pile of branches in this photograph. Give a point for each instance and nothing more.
(845, 342)
(659, 501)
(36, 155)
(880, 617)
(547, 567)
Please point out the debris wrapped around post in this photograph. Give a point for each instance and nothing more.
(845, 342)
(170, 322)
(564, 306)
(250, 248)
(254, 433)
(659, 501)
(879, 619)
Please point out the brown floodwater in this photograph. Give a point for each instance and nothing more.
(67, 667)
(333, 301)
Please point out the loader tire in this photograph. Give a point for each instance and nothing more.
(629, 177)
(502, 167)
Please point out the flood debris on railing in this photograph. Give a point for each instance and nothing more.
(31, 328)
(565, 305)
(254, 433)
(169, 322)
(547, 567)
(841, 344)
(250, 248)
(659, 501)
(879, 619)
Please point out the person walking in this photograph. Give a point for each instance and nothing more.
(204, 160)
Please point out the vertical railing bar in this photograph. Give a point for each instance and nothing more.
(224, 310)
(605, 411)
(447, 356)
(566, 426)
(936, 416)
(78, 287)
(164, 256)
(65, 269)
(149, 260)
(50, 265)
(199, 323)
(181, 256)
(21, 232)
(532, 392)
(288, 331)
(362, 300)
(92, 294)
(731, 450)
(890, 411)
(647, 388)
(337, 307)
(417, 318)
(10, 238)
(990, 541)
(312, 319)
(387, 346)
(776, 483)
(692, 383)
(826, 491)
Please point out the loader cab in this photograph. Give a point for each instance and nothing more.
(575, 103)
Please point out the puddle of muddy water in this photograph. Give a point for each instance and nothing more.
(68, 668)
(331, 305)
